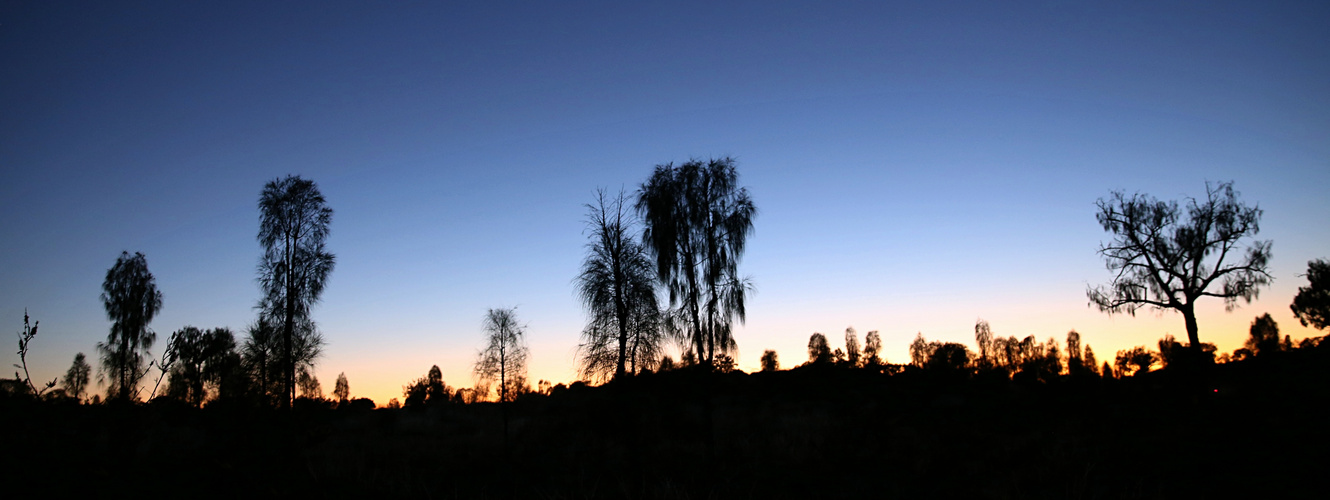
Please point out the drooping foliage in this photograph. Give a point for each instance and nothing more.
(697, 220)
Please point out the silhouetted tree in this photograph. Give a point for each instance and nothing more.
(131, 299)
(983, 338)
(24, 339)
(1075, 360)
(503, 359)
(293, 225)
(1264, 336)
(309, 385)
(1312, 303)
(769, 361)
(204, 359)
(920, 350)
(819, 352)
(872, 349)
(697, 221)
(851, 347)
(76, 379)
(259, 354)
(1091, 363)
(1136, 360)
(342, 389)
(1163, 261)
(617, 286)
(949, 356)
(427, 390)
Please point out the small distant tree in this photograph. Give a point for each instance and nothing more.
(1162, 260)
(769, 361)
(818, 350)
(666, 363)
(503, 359)
(1091, 363)
(24, 339)
(393, 404)
(1075, 364)
(983, 337)
(872, 349)
(949, 356)
(1312, 303)
(76, 379)
(1264, 336)
(920, 350)
(851, 347)
(342, 389)
(428, 390)
(309, 385)
(1136, 361)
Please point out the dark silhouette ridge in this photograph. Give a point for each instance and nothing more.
(778, 434)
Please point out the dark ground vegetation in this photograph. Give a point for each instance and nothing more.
(1254, 427)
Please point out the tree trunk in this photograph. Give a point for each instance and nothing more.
(622, 311)
(1189, 315)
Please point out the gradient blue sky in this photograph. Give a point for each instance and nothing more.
(916, 166)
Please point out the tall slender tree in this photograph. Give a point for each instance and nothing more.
(617, 286)
(131, 299)
(697, 221)
(293, 227)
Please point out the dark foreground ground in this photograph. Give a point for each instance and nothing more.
(1255, 429)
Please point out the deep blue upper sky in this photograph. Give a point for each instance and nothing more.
(915, 166)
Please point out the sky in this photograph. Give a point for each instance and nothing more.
(915, 166)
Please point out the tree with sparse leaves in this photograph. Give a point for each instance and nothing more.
(1165, 258)
(24, 339)
(503, 359)
(293, 226)
(617, 286)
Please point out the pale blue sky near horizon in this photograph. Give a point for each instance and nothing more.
(916, 166)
